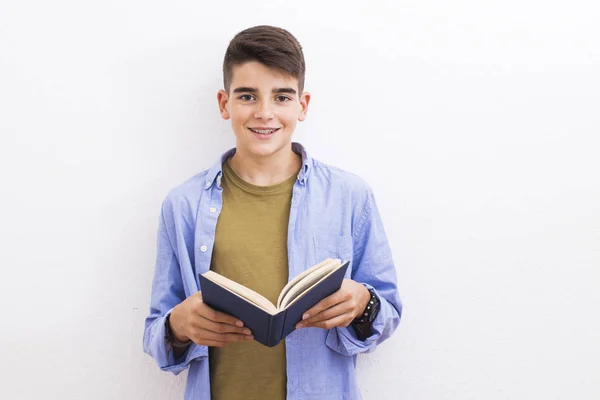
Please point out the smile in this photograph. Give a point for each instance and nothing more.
(264, 131)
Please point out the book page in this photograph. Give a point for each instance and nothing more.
(297, 279)
(242, 291)
(310, 280)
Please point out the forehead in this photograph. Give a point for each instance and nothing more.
(257, 75)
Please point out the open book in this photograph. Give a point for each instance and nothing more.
(271, 323)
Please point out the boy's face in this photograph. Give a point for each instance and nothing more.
(264, 107)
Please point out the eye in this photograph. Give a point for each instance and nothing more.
(245, 97)
(283, 99)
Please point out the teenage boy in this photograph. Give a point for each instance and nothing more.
(265, 212)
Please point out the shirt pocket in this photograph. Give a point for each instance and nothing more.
(333, 246)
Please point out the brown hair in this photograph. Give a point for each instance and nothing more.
(271, 46)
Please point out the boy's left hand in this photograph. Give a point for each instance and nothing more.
(339, 309)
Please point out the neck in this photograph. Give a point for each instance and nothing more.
(266, 171)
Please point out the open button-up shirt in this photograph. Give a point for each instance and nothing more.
(333, 215)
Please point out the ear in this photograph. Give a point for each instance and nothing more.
(223, 99)
(304, 100)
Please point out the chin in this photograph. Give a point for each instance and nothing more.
(265, 149)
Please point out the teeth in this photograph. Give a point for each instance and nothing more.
(263, 132)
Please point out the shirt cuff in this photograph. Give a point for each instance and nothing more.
(343, 339)
(163, 352)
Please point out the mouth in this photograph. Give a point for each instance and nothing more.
(264, 131)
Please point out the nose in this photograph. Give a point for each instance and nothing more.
(264, 110)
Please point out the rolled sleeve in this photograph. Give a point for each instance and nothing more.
(156, 346)
(344, 341)
(167, 292)
(372, 266)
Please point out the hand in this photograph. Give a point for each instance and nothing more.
(193, 320)
(339, 309)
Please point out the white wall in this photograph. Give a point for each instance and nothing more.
(476, 122)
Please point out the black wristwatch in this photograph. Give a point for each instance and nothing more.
(362, 324)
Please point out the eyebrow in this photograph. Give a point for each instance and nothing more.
(245, 89)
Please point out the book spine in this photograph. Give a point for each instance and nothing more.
(276, 328)
(270, 331)
(281, 325)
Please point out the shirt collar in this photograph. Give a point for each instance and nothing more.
(215, 172)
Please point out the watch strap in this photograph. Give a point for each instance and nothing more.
(363, 323)
(370, 311)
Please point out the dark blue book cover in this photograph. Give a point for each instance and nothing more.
(269, 329)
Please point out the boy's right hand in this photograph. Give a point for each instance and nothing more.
(193, 320)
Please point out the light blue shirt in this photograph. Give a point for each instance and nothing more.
(333, 215)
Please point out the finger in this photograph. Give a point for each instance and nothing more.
(220, 327)
(333, 312)
(341, 320)
(217, 316)
(324, 304)
(212, 343)
(204, 335)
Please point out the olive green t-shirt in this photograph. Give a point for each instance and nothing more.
(251, 248)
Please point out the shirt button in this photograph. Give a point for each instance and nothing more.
(203, 249)
(212, 209)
